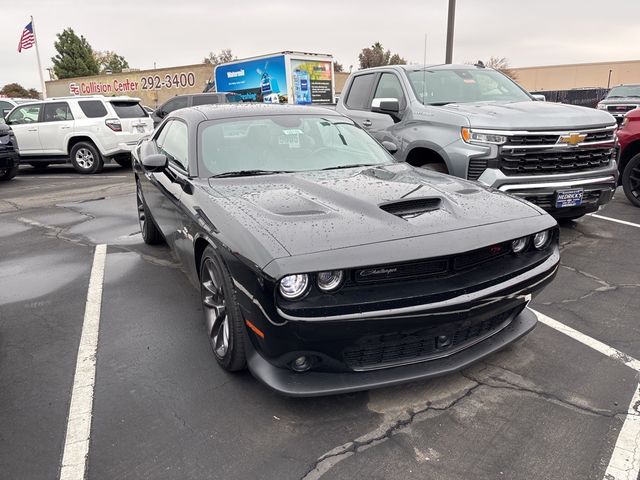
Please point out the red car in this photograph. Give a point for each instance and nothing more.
(629, 160)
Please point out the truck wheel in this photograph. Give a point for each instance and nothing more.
(8, 173)
(631, 180)
(86, 158)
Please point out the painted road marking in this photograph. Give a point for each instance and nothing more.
(623, 222)
(76, 444)
(625, 459)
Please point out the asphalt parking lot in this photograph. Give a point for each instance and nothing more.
(552, 406)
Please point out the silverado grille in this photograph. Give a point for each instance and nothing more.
(388, 350)
(533, 153)
(476, 168)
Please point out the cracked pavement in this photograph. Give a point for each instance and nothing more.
(547, 407)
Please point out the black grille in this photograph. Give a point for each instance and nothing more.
(525, 140)
(378, 351)
(603, 136)
(620, 108)
(414, 206)
(543, 162)
(476, 167)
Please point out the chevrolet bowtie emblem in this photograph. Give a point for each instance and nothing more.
(572, 139)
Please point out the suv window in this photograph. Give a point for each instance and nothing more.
(205, 100)
(173, 142)
(359, 92)
(25, 114)
(174, 104)
(129, 110)
(5, 108)
(93, 108)
(389, 87)
(57, 112)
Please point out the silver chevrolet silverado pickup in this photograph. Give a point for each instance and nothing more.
(476, 123)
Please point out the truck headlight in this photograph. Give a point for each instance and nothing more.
(470, 135)
(294, 286)
(601, 106)
(329, 281)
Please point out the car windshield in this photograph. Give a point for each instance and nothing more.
(440, 87)
(624, 91)
(285, 143)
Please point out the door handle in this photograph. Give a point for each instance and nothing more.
(65, 128)
(32, 130)
(366, 123)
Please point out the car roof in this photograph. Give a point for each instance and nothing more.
(227, 110)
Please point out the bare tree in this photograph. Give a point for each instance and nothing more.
(502, 65)
(225, 56)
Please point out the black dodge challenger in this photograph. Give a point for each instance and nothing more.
(324, 265)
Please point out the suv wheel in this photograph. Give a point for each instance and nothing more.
(86, 158)
(631, 180)
(8, 173)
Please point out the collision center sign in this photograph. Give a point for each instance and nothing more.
(91, 88)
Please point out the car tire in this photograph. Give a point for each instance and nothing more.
(631, 180)
(223, 319)
(123, 161)
(8, 173)
(85, 158)
(151, 234)
(39, 165)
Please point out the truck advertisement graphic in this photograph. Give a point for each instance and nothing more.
(261, 80)
(287, 77)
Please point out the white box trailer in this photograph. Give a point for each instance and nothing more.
(284, 77)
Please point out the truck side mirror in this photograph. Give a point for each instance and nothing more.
(390, 147)
(538, 97)
(390, 106)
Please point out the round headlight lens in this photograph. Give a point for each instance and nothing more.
(519, 245)
(294, 286)
(541, 239)
(331, 280)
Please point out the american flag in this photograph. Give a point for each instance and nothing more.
(27, 39)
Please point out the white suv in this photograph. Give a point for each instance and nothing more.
(88, 131)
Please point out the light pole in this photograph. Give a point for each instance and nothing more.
(609, 81)
(450, 23)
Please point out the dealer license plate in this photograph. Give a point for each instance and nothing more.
(569, 198)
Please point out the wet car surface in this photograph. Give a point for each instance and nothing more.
(549, 406)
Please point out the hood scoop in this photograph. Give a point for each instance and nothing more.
(411, 208)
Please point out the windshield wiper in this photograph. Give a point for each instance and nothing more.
(338, 167)
(247, 173)
(439, 104)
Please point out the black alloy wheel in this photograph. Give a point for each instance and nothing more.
(222, 315)
(631, 180)
(150, 232)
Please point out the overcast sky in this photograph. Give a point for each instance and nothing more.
(528, 33)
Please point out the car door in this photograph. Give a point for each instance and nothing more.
(381, 124)
(164, 199)
(57, 123)
(25, 121)
(358, 99)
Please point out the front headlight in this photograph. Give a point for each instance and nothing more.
(519, 245)
(601, 106)
(294, 286)
(329, 281)
(470, 135)
(541, 239)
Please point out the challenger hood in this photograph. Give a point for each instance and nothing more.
(531, 115)
(324, 210)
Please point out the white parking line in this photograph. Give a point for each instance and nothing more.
(625, 459)
(623, 222)
(76, 444)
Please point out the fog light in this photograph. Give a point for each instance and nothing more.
(519, 245)
(301, 364)
(541, 239)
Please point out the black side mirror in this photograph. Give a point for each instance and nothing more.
(155, 162)
(390, 146)
(538, 97)
(390, 106)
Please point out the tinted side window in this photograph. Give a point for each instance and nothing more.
(174, 143)
(24, 114)
(93, 108)
(205, 100)
(174, 104)
(5, 107)
(129, 110)
(57, 112)
(360, 91)
(389, 87)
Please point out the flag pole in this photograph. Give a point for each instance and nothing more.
(44, 91)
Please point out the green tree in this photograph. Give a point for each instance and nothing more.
(18, 91)
(376, 56)
(75, 56)
(225, 56)
(337, 67)
(110, 61)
